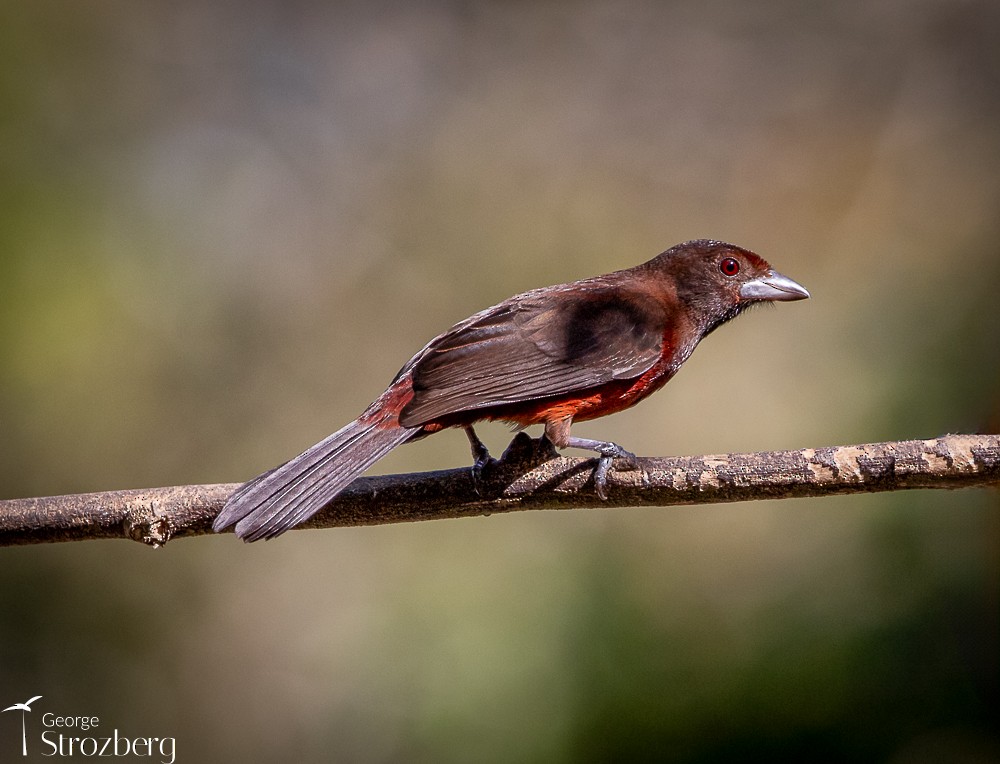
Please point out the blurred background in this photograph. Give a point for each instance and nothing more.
(223, 228)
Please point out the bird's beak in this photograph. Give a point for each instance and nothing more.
(774, 287)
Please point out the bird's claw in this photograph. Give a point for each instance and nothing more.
(482, 460)
(601, 476)
(608, 453)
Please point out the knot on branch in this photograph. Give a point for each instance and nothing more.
(524, 450)
(147, 525)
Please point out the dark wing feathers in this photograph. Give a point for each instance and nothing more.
(280, 499)
(535, 345)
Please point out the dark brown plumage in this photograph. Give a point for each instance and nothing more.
(550, 356)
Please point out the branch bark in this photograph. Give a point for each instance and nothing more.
(529, 475)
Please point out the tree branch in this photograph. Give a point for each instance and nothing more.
(530, 475)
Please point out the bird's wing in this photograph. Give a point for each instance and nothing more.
(37, 697)
(539, 344)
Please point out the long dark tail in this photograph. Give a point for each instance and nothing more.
(272, 503)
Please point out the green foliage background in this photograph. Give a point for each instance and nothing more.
(224, 226)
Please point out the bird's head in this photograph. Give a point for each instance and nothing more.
(716, 281)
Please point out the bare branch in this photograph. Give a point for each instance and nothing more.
(530, 475)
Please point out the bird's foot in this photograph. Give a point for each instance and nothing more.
(481, 459)
(476, 470)
(608, 453)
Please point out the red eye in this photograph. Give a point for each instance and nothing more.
(729, 266)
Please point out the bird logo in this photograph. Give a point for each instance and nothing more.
(22, 707)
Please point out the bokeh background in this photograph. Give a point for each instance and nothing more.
(223, 228)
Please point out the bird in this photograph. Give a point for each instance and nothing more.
(551, 356)
(26, 706)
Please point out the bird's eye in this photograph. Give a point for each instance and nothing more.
(730, 266)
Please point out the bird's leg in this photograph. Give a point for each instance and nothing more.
(480, 455)
(608, 453)
(558, 433)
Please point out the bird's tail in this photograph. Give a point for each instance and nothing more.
(272, 503)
